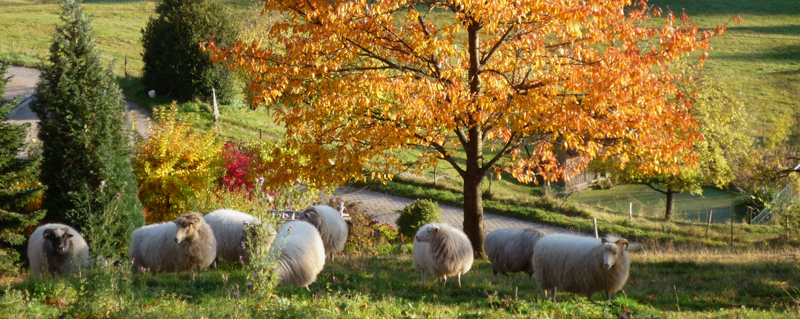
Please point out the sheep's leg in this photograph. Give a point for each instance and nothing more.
(444, 280)
(459, 280)
(553, 297)
(423, 277)
(608, 296)
(545, 291)
(589, 296)
(309, 290)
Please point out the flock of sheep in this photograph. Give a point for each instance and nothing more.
(299, 249)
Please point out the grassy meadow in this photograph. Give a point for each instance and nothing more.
(662, 284)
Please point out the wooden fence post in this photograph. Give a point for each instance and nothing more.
(630, 212)
(708, 224)
(594, 221)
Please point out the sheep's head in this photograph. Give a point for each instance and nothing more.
(427, 233)
(613, 249)
(188, 226)
(310, 216)
(58, 240)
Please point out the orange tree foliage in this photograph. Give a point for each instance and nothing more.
(358, 80)
(173, 165)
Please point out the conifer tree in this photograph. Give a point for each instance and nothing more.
(20, 189)
(86, 139)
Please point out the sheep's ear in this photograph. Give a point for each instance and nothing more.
(603, 240)
(70, 235)
(622, 243)
(47, 233)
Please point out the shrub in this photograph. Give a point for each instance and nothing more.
(174, 165)
(173, 62)
(20, 190)
(86, 137)
(414, 216)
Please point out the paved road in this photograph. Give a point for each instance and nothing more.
(382, 206)
(23, 85)
(384, 209)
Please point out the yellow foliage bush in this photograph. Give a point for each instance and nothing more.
(174, 164)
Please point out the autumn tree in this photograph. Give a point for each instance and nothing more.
(723, 122)
(358, 80)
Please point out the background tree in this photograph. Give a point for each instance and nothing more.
(85, 134)
(173, 62)
(723, 121)
(469, 82)
(20, 190)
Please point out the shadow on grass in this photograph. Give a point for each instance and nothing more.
(708, 7)
(783, 53)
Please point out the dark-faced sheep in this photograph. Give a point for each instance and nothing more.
(511, 249)
(331, 226)
(298, 253)
(581, 265)
(442, 250)
(185, 244)
(57, 249)
(232, 230)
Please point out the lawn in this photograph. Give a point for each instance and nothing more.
(676, 284)
(647, 202)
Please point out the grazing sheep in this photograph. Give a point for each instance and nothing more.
(581, 265)
(442, 250)
(58, 249)
(231, 231)
(331, 226)
(511, 249)
(187, 243)
(300, 254)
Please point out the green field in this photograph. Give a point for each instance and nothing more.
(676, 284)
(647, 202)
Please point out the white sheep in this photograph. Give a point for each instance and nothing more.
(58, 249)
(511, 249)
(442, 250)
(300, 254)
(581, 265)
(231, 230)
(187, 243)
(330, 224)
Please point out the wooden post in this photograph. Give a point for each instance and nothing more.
(731, 231)
(491, 192)
(126, 66)
(630, 212)
(259, 133)
(434, 175)
(216, 107)
(708, 224)
(594, 221)
(787, 222)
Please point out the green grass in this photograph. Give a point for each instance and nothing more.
(647, 202)
(710, 285)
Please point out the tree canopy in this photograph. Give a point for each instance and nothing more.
(357, 80)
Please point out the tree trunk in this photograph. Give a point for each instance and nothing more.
(473, 175)
(473, 211)
(668, 213)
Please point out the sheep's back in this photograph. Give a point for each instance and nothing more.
(228, 226)
(154, 246)
(451, 252)
(334, 229)
(570, 263)
(511, 249)
(301, 253)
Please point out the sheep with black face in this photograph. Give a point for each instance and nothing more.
(57, 249)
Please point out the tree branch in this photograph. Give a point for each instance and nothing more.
(653, 187)
(500, 42)
(444, 153)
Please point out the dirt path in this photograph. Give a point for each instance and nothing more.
(23, 85)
